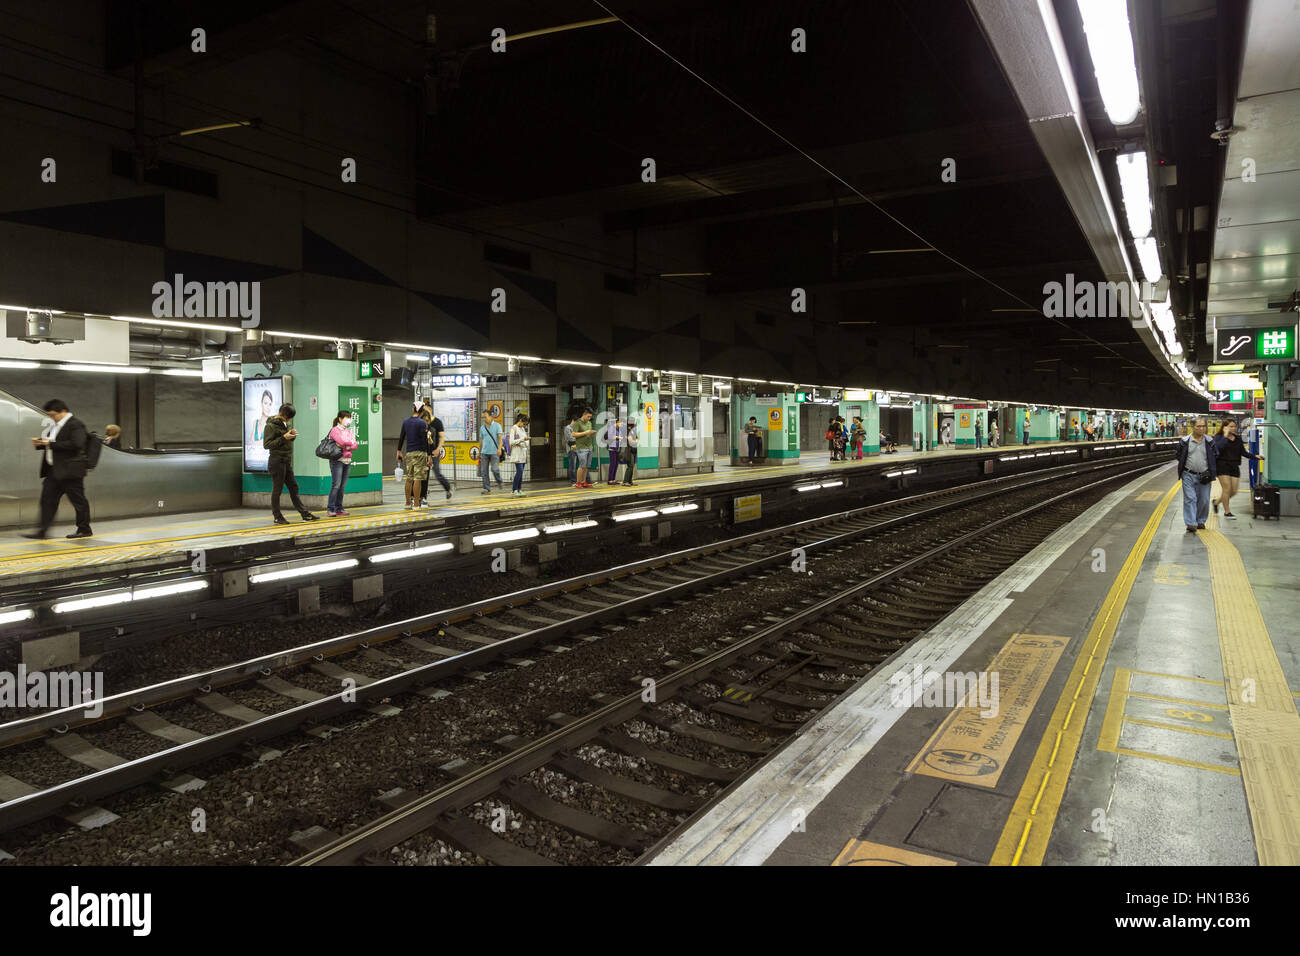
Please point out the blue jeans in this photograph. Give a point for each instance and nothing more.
(517, 483)
(338, 481)
(1196, 500)
(491, 461)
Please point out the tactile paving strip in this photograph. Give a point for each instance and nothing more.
(1267, 727)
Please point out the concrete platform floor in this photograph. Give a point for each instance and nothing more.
(1154, 723)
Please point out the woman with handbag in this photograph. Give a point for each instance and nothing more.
(1228, 452)
(519, 453)
(341, 435)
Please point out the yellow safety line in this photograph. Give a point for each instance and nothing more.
(1024, 838)
(1264, 719)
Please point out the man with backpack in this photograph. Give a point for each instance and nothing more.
(64, 463)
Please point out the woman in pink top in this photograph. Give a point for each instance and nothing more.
(342, 434)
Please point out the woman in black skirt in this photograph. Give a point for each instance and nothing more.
(1228, 452)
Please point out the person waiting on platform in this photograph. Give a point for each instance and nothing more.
(571, 449)
(489, 438)
(614, 443)
(887, 444)
(993, 433)
(1196, 470)
(341, 435)
(858, 434)
(1026, 429)
(63, 469)
(584, 442)
(413, 455)
(627, 457)
(753, 436)
(1229, 449)
(979, 432)
(945, 434)
(830, 437)
(278, 439)
(113, 437)
(519, 442)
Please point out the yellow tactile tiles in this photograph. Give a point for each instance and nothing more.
(1029, 827)
(1263, 713)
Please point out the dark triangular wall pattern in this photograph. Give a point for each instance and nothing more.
(568, 336)
(323, 257)
(543, 290)
(141, 219)
(690, 328)
(203, 268)
(476, 316)
(626, 338)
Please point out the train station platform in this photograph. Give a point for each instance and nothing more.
(123, 543)
(1145, 715)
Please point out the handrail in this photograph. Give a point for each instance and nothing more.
(1279, 427)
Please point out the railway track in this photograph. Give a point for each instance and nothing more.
(555, 618)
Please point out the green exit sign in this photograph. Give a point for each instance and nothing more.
(370, 365)
(1275, 343)
(800, 397)
(1237, 396)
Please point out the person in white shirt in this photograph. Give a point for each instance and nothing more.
(63, 469)
(519, 444)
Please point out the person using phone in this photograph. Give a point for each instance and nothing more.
(278, 440)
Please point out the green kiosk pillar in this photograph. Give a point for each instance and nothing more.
(318, 389)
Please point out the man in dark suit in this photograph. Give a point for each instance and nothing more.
(63, 469)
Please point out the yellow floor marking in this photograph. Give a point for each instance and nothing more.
(862, 853)
(1165, 758)
(1196, 680)
(1182, 730)
(1265, 722)
(974, 749)
(1024, 838)
(1149, 496)
(1178, 700)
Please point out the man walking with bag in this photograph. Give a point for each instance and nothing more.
(1196, 470)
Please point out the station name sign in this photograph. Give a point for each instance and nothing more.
(1273, 344)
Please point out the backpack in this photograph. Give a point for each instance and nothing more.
(94, 445)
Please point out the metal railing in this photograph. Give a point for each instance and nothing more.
(1282, 432)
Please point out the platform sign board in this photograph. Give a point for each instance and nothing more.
(748, 508)
(370, 365)
(1272, 344)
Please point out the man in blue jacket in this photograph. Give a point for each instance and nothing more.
(1196, 470)
(489, 436)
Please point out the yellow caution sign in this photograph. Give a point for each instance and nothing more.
(973, 745)
(748, 508)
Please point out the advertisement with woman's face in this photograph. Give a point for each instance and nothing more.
(262, 399)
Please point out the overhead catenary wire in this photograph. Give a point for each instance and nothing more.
(844, 182)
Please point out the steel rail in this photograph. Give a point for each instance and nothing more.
(420, 813)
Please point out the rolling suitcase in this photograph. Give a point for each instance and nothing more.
(1267, 501)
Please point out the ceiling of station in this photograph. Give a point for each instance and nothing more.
(1257, 234)
(766, 191)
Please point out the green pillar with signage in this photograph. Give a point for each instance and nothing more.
(320, 389)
